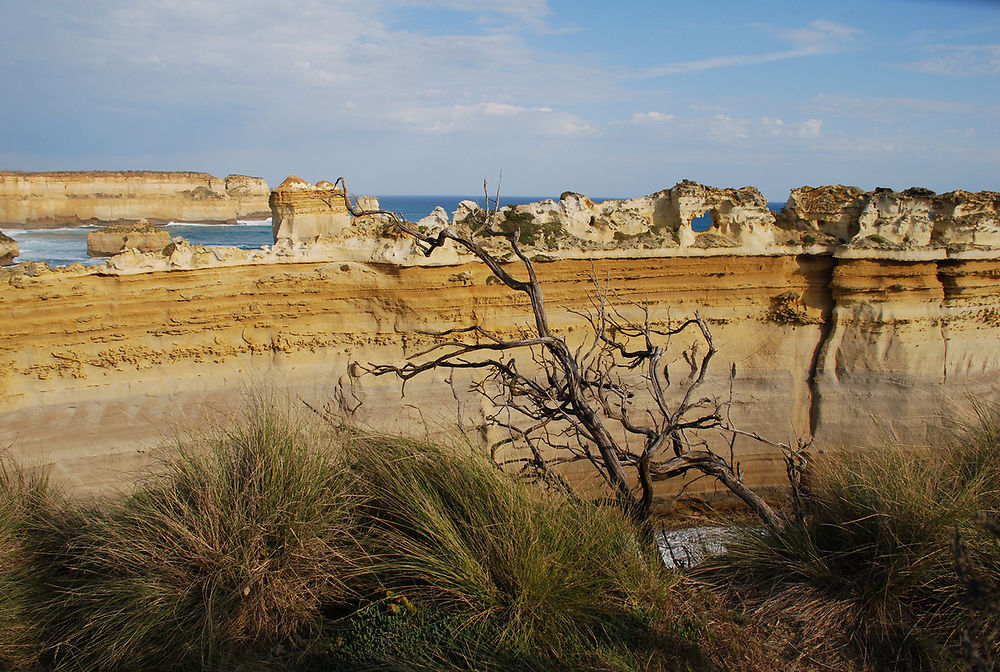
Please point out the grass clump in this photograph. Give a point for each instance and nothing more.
(22, 496)
(870, 571)
(227, 553)
(506, 570)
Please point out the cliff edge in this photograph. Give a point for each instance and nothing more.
(38, 200)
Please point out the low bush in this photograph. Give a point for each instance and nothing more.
(871, 568)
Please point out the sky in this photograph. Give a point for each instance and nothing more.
(431, 97)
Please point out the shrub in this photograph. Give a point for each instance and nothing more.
(872, 565)
(227, 553)
(529, 230)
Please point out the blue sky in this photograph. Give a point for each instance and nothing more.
(609, 99)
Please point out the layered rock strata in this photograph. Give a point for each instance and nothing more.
(845, 341)
(304, 212)
(68, 198)
(9, 250)
(110, 240)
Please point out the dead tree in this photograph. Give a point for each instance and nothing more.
(604, 401)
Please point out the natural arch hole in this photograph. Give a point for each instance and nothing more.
(702, 222)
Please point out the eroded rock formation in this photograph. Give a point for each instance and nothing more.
(142, 236)
(9, 250)
(67, 198)
(304, 212)
(851, 316)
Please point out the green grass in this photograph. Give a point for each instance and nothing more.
(871, 570)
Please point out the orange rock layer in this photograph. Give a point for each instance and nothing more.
(94, 368)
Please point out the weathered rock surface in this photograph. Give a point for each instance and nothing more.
(304, 212)
(909, 220)
(9, 250)
(844, 340)
(67, 198)
(111, 240)
(818, 220)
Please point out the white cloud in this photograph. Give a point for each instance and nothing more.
(723, 128)
(651, 118)
(773, 126)
(811, 128)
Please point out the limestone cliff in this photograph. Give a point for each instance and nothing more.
(304, 212)
(862, 330)
(9, 250)
(67, 198)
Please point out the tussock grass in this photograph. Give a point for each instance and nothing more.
(517, 570)
(226, 554)
(869, 576)
(22, 496)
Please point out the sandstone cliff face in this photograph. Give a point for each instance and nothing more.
(111, 240)
(844, 342)
(66, 198)
(304, 212)
(8, 250)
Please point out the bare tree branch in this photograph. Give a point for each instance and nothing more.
(609, 401)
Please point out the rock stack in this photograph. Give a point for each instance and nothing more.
(8, 250)
(111, 240)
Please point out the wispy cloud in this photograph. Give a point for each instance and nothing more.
(485, 117)
(893, 109)
(961, 61)
(818, 37)
(810, 128)
(643, 118)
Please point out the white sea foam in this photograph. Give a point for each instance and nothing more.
(30, 232)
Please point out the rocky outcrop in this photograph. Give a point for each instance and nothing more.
(9, 250)
(661, 220)
(885, 219)
(304, 212)
(111, 240)
(69, 198)
(848, 318)
(965, 220)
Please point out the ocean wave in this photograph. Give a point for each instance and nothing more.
(43, 231)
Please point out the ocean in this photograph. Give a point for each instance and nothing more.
(68, 245)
